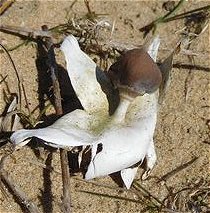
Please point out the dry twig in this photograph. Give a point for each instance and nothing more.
(58, 107)
(17, 192)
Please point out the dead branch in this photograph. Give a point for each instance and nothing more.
(35, 34)
(17, 192)
(24, 32)
(59, 111)
(191, 66)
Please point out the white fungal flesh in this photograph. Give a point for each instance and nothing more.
(81, 69)
(128, 176)
(126, 136)
(153, 48)
(151, 158)
(127, 143)
(70, 130)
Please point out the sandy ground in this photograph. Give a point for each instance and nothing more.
(182, 123)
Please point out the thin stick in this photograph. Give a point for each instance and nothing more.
(66, 181)
(24, 32)
(17, 192)
(30, 33)
(59, 111)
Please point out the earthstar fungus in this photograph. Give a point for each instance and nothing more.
(125, 136)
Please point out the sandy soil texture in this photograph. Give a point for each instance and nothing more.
(182, 131)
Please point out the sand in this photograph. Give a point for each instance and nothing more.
(182, 125)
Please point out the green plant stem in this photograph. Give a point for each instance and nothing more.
(163, 18)
(186, 14)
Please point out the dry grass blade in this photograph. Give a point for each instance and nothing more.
(3, 79)
(110, 196)
(191, 66)
(16, 73)
(142, 196)
(9, 121)
(138, 187)
(5, 4)
(178, 169)
(26, 100)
